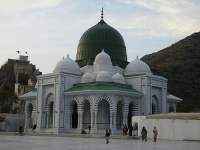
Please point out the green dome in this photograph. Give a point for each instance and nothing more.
(101, 36)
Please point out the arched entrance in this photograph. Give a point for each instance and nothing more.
(119, 115)
(29, 115)
(74, 116)
(131, 112)
(86, 114)
(50, 114)
(103, 115)
(155, 105)
(171, 109)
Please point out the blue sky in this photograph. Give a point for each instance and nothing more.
(51, 29)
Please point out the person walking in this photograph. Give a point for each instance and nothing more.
(135, 129)
(107, 135)
(89, 129)
(125, 130)
(144, 134)
(130, 131)
(155, 134)
(20, 130)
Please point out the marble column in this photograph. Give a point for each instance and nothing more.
(80, 119)
(91, 119)
(47, 119)
(125, 113)
(114, 121)
(111, 120)
(95, 120)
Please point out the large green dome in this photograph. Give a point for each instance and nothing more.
(101, 36)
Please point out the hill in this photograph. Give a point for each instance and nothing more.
(180, 63)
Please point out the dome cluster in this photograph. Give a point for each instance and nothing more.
(88, 77)
(103, 71)
(104, 76)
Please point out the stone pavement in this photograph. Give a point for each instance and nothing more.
(12, 142)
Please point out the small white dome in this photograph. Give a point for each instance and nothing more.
(88, 77)
(118, 78)
(137, 67)
(67, 65)
(103, 58)
(104, 76)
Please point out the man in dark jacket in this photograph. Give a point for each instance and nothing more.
(107, 135)
(144, 134)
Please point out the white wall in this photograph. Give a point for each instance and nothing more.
(172, 129)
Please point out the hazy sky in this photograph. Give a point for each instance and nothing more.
(51, 29)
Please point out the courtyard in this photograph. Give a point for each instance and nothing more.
(12, 142)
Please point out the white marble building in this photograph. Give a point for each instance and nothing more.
(99, 94)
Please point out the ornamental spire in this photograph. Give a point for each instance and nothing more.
(102, 13)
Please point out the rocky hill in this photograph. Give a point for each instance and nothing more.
(180, 63)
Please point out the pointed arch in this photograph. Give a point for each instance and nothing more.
(119, 115)
(107, 98)
(171, 109)
(132, 111)
(49, 112)
(74, 114)
(103, 114)
(155, 105)
(86, 114)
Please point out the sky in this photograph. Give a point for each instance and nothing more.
(50, 29)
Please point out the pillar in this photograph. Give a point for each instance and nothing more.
(125, 113)
(95, 119)
(80, 115)
(111, 120)
(80, 119)
(113, 123)
(47, 119)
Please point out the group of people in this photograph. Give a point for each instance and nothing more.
(129, 131)
(144, 134)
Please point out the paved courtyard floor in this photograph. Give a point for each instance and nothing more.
(11, 142)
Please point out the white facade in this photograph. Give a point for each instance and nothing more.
(100, 96)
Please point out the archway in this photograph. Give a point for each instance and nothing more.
(155, 105)
(86, 114)
(74, 115)
(103, 115)
(119, 115)
(50, 114)
(171, 109)
(29, 115)
(153, 108)
(131, 112)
